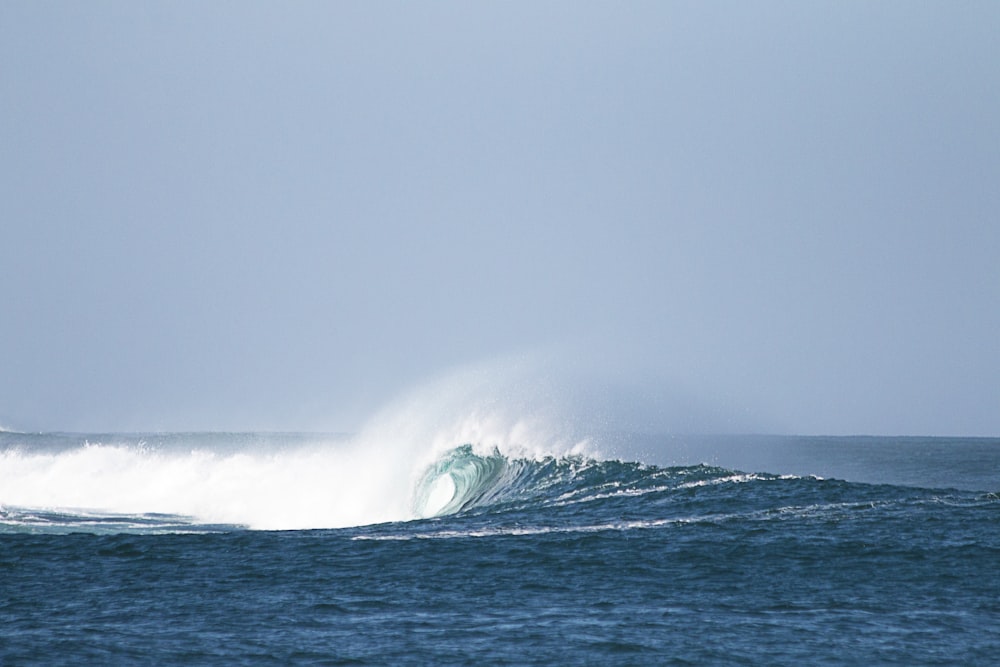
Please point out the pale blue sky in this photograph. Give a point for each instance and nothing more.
(278, 215)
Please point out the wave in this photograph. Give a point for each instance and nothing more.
(60, 481)
(210, 482)
(495, 496)
(451, 449)
(463, 481)
(130, 482)
(203, 481)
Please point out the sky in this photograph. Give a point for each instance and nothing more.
(763, 216)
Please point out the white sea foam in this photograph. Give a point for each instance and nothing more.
(574, 498)
(737, 478)
(520, 531)
(310, 486)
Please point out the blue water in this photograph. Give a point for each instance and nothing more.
(241, 549)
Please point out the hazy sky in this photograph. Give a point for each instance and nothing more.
(277, 215)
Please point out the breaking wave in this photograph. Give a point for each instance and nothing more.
(211, 482)
(291, 481)
(452, 449)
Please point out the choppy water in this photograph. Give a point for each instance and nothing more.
(285, 549)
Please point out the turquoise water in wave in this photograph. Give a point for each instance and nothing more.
(274, 549)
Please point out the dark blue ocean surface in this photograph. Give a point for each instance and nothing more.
(563, 560)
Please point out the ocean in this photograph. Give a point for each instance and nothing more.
(624, 549)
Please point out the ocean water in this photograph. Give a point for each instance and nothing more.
(503, 548)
